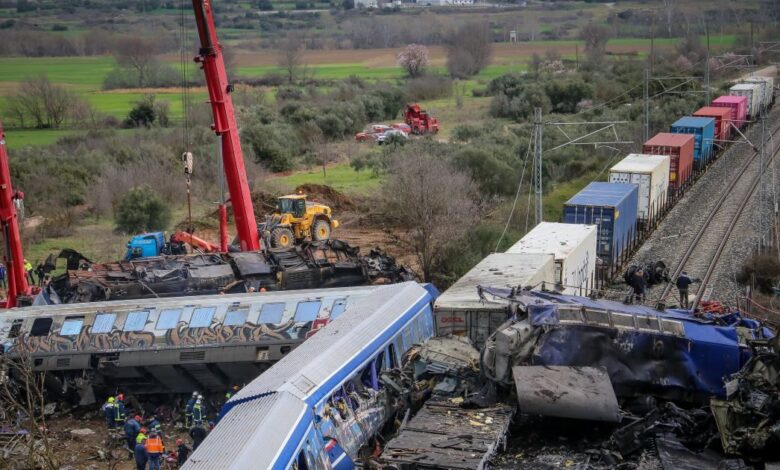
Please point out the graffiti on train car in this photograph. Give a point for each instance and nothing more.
(182, 335)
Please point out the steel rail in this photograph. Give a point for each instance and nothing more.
(726, 193)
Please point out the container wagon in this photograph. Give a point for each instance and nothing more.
(679, 147)
(738, 106)
(459, 310)
(751, 91)
(703, 130)
(651, 174)
(574, 249)
(768, 89)
(722, 118)
(610, 206)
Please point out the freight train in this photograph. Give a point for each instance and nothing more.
(640, 190)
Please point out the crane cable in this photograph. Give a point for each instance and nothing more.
(186, 156)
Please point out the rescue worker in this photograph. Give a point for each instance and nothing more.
(153, 423)
(154, 447)
(683, 282)
(2, 276)
(132, 428)
(141, 435)
(182, 452)
(28, 268)
(197, 433)
(198, 411)
(141, 455)
(639, 284)
(39, 270)
(108, 412)
(119, 409)
(188, 410)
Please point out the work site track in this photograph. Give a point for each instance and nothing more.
(705, 249)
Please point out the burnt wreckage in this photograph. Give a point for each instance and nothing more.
(323, 264)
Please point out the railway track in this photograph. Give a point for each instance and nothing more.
(704, 251)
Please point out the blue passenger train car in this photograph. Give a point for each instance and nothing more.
(316, 407)
(703, 130)
(610, 206)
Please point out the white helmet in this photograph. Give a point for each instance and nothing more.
(195, 394)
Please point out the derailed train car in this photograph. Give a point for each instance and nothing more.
(324, 264)
(318, 406)
(172, 345)
(672, 355)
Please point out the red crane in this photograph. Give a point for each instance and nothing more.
(213, 65)
(13, 257)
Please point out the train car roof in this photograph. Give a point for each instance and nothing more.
(169, 302)
(275, 401)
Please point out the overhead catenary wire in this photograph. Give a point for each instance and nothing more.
(517, 196)
(185, 96)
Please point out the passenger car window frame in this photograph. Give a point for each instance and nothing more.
(338, 303)
(178, 312)
(242, 310)
(134, 315)
(272, 304)
(65, 322)
(303, 303)
(196, 311)
(34, 331)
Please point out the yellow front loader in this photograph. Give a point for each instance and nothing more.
(296, 219)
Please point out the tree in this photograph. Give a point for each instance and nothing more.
(144, 113)
(138, 53)
(45, 103)
(291, 51)
(469, 49)
(413, 59)
(761, 272)
(141, 209)
(433, 202)
(595, 38)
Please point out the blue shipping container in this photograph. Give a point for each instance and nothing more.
(703, 129)
(611, 206)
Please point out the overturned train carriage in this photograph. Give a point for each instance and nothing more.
(320, 404)
(329, 263)
(172, 345)
(670, 354)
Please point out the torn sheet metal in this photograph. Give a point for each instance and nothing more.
(449, 355)
(444, 436)
(566, 392)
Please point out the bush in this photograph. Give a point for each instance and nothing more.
(428, 87)
(762, 272)
(141, 209)
(143, 113)
(275, 145)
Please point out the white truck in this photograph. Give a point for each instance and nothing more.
(574, 249)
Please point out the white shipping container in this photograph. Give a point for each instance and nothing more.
(768, 84)
(651, 174)
(753, 93)
(459, 310)
(574, 249)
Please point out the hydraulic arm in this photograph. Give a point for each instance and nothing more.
(213, 65)
(13, 257)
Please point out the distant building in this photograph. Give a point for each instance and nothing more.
(366, 3)
(439, 3)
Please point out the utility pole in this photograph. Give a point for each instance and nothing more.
(652, 43)
(538, 164)
(707, 69)
(646, 127)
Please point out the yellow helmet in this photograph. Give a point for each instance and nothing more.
(111, 399)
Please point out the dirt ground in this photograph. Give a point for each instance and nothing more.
(89, 451)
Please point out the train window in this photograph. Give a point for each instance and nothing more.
(407, 337)
(236, 317)
(201, 317)
(168, 319)
(307, 311)
(16, 327)
(271, 313)
(41, 327)
(104, 322)
(391, 358)
(136, 321)
(72, 326)
(339, 305)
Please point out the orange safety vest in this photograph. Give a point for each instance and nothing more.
(154, 445)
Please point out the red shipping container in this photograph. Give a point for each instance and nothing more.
(738, 105)
(722, 120)
(680, 148)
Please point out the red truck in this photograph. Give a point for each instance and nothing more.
(419, 120)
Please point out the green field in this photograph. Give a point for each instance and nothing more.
(19, 138)
(340, 176)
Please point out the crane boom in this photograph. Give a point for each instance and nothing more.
(213, 65)
(13, 257)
